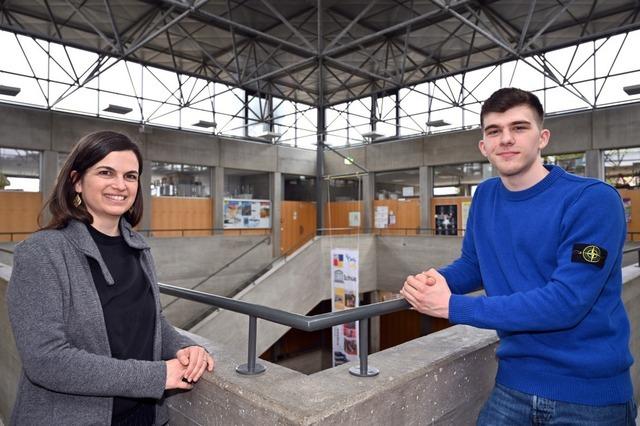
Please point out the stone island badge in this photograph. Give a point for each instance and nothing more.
(589, 253)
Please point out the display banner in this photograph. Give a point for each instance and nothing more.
(344, 294)
(242, 213)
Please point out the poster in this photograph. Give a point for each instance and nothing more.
(344, 295)
(354, 219)
(243, 213)
(627, 208)
(381, 217)
(447, 219)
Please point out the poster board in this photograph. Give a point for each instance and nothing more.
(447, 219)
(344, 295)
(246, 214)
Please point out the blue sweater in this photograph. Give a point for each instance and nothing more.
(549, 259)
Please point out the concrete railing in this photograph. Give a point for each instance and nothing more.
(442, 378)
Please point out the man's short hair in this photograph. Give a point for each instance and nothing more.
(509, 97)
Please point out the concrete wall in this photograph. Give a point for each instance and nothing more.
(442, 378)
(189, 262)
(293, 286)
(397, 257)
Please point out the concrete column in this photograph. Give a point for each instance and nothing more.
(145, 187)
(426, 192)
(594, 164)
(48, 174)
(368, 195)
(217, 193)
(276, 192)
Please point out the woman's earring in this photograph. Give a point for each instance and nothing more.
(77, 200)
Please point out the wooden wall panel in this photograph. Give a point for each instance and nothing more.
(19, 213)
(336, 214)
(407, 213)
(181, 214)
(297, 224)
(633, 226)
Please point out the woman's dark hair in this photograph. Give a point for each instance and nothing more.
(509, 97)
(88, 151)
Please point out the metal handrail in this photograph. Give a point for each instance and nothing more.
(298, 321)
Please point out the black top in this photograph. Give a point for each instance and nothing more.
(129, 315)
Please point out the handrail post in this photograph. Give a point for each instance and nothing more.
(363, 370)
(251, 368)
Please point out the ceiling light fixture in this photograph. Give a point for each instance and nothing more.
(117, 109)
(632, 90)
(437, 123)
(205, 124)
(9, 90)
(270, 136)
(372, 136)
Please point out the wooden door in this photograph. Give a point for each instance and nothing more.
(297, 224)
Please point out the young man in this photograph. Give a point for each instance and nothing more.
(547, 248)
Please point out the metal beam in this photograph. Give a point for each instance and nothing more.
(551, 19)
(204, 51)
(346, 67)
(91, 24)
(114, 27)
(287, 24)
(225, 23)
(354, 21)
(285, 70)
(525, 28)
(143, 40)
(413, 22)
(445, 7)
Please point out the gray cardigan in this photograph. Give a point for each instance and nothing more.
(68, 375)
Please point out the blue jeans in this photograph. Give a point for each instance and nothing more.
(508, 407)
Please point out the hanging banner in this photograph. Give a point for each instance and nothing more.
(344, 294)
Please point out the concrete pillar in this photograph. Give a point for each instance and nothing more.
(368, 195)
(217, 193)
(594, 164)
(145, 187)
(48, 174)
(276, 193)
(426, 192)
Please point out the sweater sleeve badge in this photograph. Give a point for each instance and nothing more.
(588, 253)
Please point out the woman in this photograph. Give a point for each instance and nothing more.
(84, 304)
